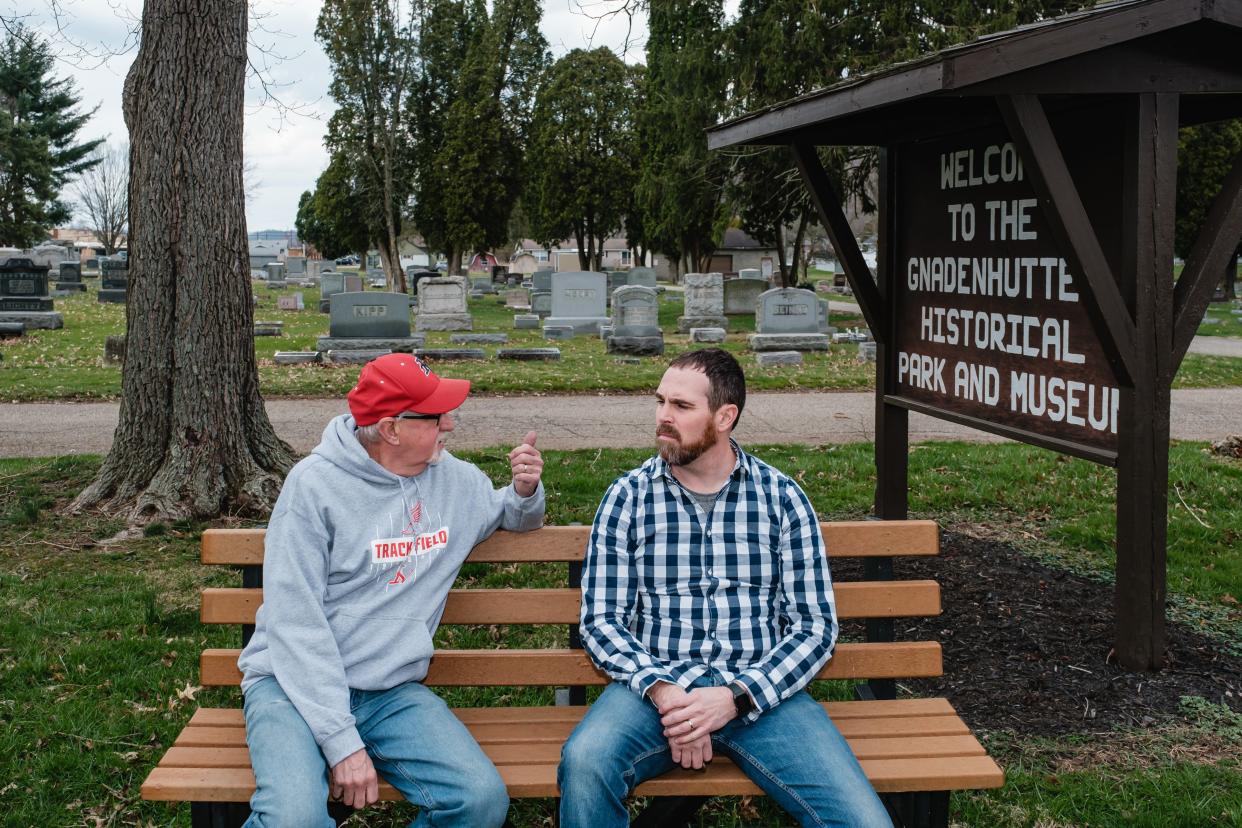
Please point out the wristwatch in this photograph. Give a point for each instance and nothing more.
(741, 700)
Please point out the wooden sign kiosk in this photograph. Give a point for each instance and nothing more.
(1025, 275)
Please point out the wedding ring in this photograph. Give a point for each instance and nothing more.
(691, 723)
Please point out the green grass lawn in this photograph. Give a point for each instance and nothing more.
(1230, 323)
(99, 643)
(67, 364)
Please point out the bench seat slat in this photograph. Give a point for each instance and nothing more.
(843, 539)
(560, 668)
(856, 599)
(548, 751)
(937, 773)
(908, 719)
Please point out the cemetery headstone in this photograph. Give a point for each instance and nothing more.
(787, 319)
(867, 351)
(330, 284)
(7, 253)
(275, 273)
(526, 321)
(293, 302)
(48, 255)
(578, 300)
(479, 339)
(707, 335)
(741, 294)
(636, 329)
(376, 278)
(12, 330)
(558, 332)
(114, 350)
(446, 354)
(751, 273)
(353, 283)
(517, 299)
(314, 270)
(272, 328)
(69, 278)
(704, 302)
(368, 321)
(529, 354)
(442, 306)
(541, 280)
(541, 302)
(616, 279)
(779, 358)
(115, 279)
(644, 276)
(297, 357)
(295, 266)
(91, 264)
(24, 296)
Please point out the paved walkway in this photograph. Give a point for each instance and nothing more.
(568, 422)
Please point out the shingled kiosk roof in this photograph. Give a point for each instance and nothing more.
(1109, 49)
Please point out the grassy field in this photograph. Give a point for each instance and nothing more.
(99, 641)
(67, 364)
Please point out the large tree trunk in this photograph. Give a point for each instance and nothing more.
(193, 439)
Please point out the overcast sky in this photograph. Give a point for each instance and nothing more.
(286, 153)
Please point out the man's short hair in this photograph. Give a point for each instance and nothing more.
(726, 384)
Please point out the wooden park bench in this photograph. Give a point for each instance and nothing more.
(914, 751)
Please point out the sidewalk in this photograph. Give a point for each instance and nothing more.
(574, 422)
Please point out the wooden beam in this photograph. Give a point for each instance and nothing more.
(827, 203)
(1149, 192)
(1216, 242)
(1071, 228)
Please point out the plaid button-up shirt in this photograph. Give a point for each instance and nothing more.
(670, 592)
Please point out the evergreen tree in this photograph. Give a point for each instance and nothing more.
(581, 154)
(38, 127)
(470, 173)
(1204, 156)
(334, 217)
(680, 188)
(371, 45)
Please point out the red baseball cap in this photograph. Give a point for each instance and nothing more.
(395, 383)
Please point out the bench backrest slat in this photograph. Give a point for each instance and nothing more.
(843, 539)
(560, 668)
(856, 599)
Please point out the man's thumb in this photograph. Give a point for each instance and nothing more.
(530, 438)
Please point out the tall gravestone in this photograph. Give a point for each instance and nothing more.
(704, 302)
(330, 284)
(442, 305)
(24, 295)
(295, 266)
(616, 279)
(541, 280)
(541, 303)
(741, 294)
(275, 273)
(579, 301)
(636, 316)
(787, 319)
(115, 279)
(48, 255)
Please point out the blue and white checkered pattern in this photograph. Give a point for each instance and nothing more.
(670, 592)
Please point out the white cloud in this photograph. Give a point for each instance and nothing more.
(284, 148)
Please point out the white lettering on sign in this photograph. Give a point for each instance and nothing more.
(395, 550)
(964, 169)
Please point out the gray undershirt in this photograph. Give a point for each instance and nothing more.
(706, 501)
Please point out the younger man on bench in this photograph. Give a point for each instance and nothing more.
(707, 599)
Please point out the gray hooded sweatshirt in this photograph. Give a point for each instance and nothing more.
(357, 566)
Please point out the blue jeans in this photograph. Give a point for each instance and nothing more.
(793, 752)
(413, 739)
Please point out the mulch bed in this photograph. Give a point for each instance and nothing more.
(1027, 648)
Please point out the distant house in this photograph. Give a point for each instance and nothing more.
(738, 251)
(264, 252)
(529, 256)
(482, 261)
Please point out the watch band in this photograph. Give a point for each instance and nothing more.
(741, 700)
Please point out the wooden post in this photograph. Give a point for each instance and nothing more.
(1150, 153)
(892, 436)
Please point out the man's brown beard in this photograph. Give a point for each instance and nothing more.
(683, 454)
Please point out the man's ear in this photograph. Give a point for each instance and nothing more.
(388, 431)
(726, 417)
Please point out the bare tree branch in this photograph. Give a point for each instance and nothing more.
(103, 196)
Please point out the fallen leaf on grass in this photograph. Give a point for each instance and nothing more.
(189, 692)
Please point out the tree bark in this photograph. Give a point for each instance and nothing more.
(193, 440)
